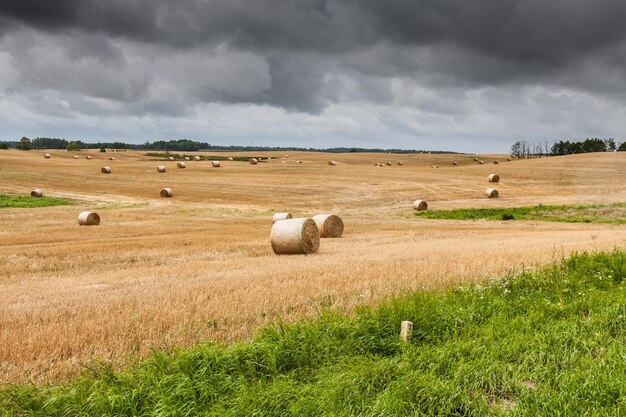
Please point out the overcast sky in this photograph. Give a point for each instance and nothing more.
(420, 74)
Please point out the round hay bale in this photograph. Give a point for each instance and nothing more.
(171, 158)
(47, 155)
(332, 163)
(481, 162)
(196, 158)
(491, 193)
(295, 236)
(496, 162)
(286, 156)
(161, 168)
(388, 164)
(76, 157)
(508, 159)
(36, 193)
(181, 165)
(105, 170)
(299, 162)
(88, 157)
(281, 216)
(253, 161)
(493, 178)
(166, 192)
(230, 158)
(435, 166)
(475, 159)
(111, 158)
(187, 158)
(400, 163)
(215, 164)
(330, 225)
(88, 218)
(455, 163)
(420, 205)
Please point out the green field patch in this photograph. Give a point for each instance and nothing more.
(536, 343)
(180, 157)
(24, 201)
(594, 213)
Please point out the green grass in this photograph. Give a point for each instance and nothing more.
(177, 156)
(596, 213)
(22, 201)
(539, 343)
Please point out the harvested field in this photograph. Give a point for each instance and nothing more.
(163, 273)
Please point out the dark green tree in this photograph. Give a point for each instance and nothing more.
(23, 144)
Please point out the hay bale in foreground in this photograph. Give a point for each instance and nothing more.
(332, 163)
(105, 170)
(281, 216)
(491, 193)
(295, 236)
(253, 161)
(420, 205)
(329, 225)
(215, 164)
(47, 155)
(481, 162)
(88, 157)
(230, 158)
(196, 158)
(166, 192)
(161, 168)
(36, 193)
(76, 157)
(88, 218)
(181, 165)
(493, 178)
(475, 159)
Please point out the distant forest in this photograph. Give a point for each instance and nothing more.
(524, 149)
(181, 145)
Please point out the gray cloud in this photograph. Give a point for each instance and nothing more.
(437, 57)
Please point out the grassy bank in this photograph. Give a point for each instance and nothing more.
(23, 201)
(548, 342)
(597, 213)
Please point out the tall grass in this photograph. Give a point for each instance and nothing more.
(548, 342)
(592, 213)
(22, 201)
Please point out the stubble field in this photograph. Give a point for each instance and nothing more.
(166, 273)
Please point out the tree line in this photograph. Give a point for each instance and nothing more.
(524, 149)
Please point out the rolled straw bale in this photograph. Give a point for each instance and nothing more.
(36, 193)
(420, 205)
(508, 159)
(88, 157)
(161, 168)
(215, 164)
(299, 162)
(105, 170)
(475, 159)
(88, 218)
(388, 164)
(196, 158)
(435, 166)
(281, 216)
(491, 193)
(47, 155)
(330, 225)
(286, 156)
(187, 158)
(171, 158)
(493, 178)
(76, 157)
(230, 158)
(455, 163)
(332, 163)
(166, 192)
(295, 236)
(111, 158)
(481, 162)
(253, 161)
(496, 162)
(400, 163)
(181, 165)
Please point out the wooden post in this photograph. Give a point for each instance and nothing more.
(406, 331)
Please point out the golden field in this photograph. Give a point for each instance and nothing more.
(166, 273)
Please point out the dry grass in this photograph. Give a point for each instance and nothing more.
(165, 273)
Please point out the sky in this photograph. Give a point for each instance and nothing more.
(459, 75)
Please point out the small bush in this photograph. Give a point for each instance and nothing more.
(508, 216)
